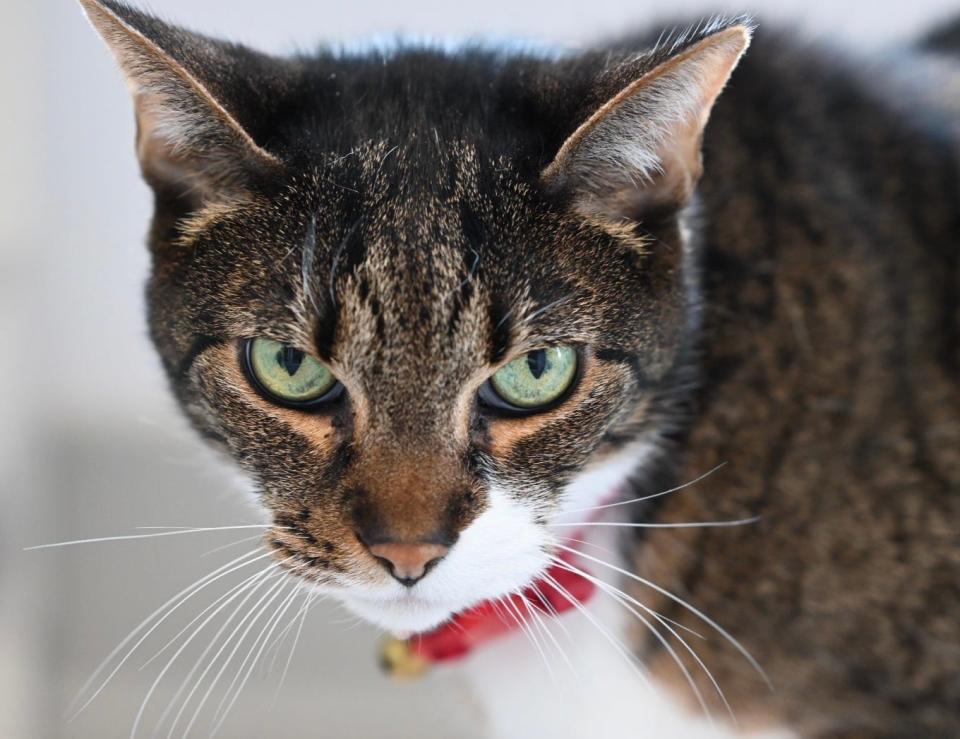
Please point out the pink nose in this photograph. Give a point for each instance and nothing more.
(408, 563)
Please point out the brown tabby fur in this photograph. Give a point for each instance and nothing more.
(388, 215)
(833, 361)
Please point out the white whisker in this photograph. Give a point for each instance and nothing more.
(537, 624)
(664, 621)
(618, 646)
(605, 550)
(163, 612)
(683, 525)
(282, 609)
(510, 608)
(676, 599)
(296, 639)
(262, 639)
(245, 540)
(651, 611)
(652, 496)
(177, 653)
(553, 612)
(545, 628)
(241, 586)
(127, 537)
(528, 319)
(625, 600)
(250, 587)
(660, 617)
(243, 663)
(499, 610)
(206, 528)
(250, 618)
(528, 630)
(275, 646)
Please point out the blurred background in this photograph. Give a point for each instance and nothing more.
(90, 442)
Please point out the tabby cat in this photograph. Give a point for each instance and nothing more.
(445, 307)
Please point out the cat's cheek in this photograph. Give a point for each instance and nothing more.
(501, 550)
(602, 481)
(254, 429)
(247, 490)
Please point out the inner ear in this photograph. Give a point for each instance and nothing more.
(188, 102)
(639, 151)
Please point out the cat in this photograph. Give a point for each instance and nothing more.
(446, 307)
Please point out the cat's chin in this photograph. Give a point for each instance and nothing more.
(397, 616)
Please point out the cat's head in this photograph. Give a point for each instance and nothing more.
(421, 296)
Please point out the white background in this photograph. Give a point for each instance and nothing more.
(90, 443)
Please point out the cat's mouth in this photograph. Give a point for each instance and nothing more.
(502, 551)
(409, 613)
(454, 587)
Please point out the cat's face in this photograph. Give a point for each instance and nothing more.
(413, 295)
(412, 298)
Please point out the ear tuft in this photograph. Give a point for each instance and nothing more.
(187, 138)
(641, 148)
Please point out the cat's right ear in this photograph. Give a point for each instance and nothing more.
(639, 149)
(191, 140)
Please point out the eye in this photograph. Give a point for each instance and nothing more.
(287, 375)
(532, 382)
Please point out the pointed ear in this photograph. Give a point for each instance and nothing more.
(640, 150)
(190, 140)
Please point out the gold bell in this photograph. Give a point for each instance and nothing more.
(399, 661)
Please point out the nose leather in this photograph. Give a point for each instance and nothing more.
(408, 562)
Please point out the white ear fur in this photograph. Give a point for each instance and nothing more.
(185, 135)
(642, 147)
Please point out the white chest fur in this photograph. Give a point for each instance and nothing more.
(594, 692)
(578, 681)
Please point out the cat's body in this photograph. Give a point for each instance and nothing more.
(831, 274)
(416, 220)
(831, 387)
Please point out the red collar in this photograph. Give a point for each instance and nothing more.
(489, 620)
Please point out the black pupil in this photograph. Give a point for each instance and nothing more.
(290, 359)
(537, 363)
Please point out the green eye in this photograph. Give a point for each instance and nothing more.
(536, 379)
(287, 374)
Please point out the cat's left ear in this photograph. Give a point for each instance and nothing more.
(640, 150)
(195, 108)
